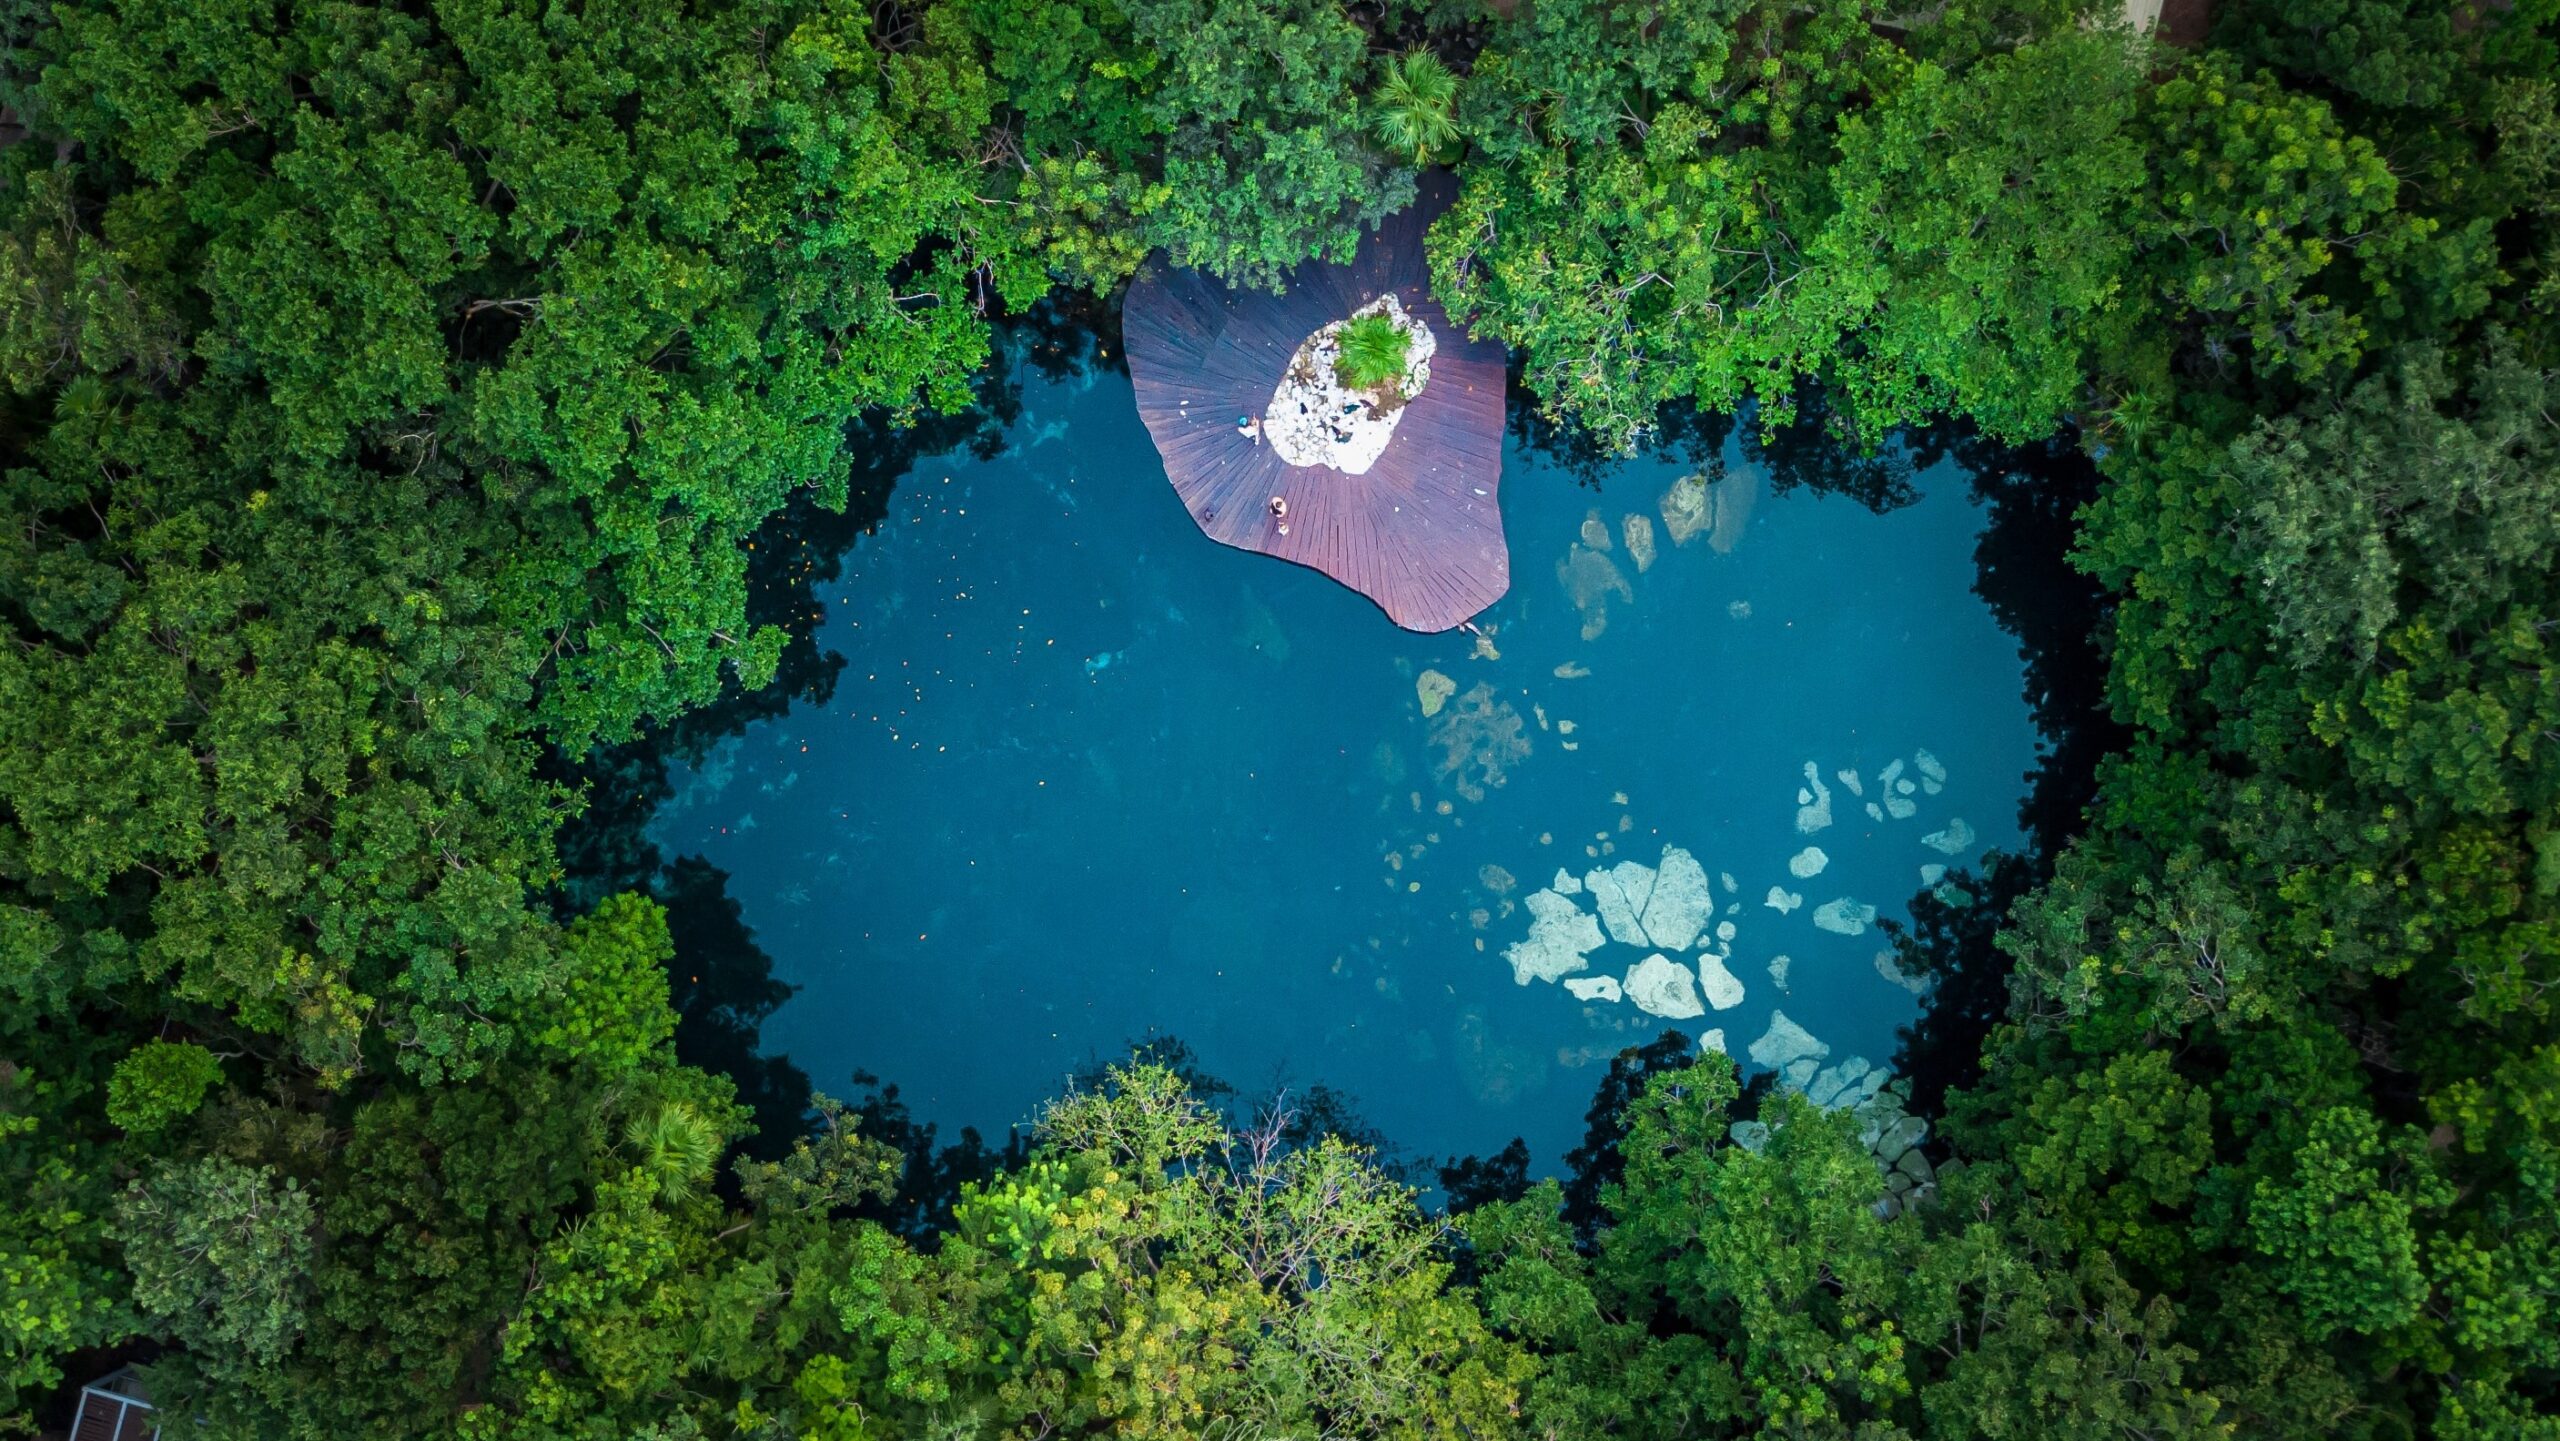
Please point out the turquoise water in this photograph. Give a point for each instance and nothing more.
(1085, 775)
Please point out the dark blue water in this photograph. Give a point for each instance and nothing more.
(1088, 775)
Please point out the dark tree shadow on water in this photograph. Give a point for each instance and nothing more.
(930, 1184)
(722, 981)
(1596, 1164)
(1808, 454)
(2023, 573)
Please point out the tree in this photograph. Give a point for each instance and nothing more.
(160, 1083)
(221, 1259)
(1265, 164)
(1414, 109)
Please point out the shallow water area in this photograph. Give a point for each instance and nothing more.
(1087, 774)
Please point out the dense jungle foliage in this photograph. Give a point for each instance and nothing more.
(392, 392)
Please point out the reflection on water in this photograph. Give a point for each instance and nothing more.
(1054, 771)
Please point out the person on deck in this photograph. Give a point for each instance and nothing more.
(1250, 427)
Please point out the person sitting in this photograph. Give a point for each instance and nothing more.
(1250, 427)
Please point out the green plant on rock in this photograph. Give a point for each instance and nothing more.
(1370, 352)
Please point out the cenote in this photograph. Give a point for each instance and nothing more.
(1053, 773)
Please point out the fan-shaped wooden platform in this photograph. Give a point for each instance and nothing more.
(1421, 533)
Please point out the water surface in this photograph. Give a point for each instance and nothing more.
(1086, 775)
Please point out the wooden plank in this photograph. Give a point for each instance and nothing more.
(1421, 533)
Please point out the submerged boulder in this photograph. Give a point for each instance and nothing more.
(1723, 988)
(1662, 986)
(1844, 917)
(1680, 902)
(1434, 690)
(1890, 968)
(1805, 864)
(1813, 802)
(1590, 578)
(1560, 935)
(1479, 738)
(1955, 840)
(1593, 988)
(1621, 893)
(1639, 534)
(1687, 508)
(1784, 1043)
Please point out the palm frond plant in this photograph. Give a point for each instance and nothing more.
(1370, 352)
(1414, 110)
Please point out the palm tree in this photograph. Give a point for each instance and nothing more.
(1415, 108)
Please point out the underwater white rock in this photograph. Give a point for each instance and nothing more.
(1680, 903)
(1874, 812)
(1844, 917)
(1785, 1042)
(1639, 534)
(1619, 908)
(1933, 776)
(1725, 932)
(1805, 864)
(1722, 987)
(1813, 808)
(1749, 1135)
(1566, 883)
(1798, 1072)
(1890, 778)
(1783, 900)
(1891, 971)
(1850, 779)
(1560, 935)
(1595, 531)
(1593, 988)
(1712, 1041)
(1956, 839)
(1932, 873)
(1899, 808)
(1663, 986)
(1778, 971)
(1725, 879)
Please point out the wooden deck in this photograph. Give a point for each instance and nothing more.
(1421, 533)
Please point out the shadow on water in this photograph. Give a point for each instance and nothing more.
(2032, 496)
(1806, 455)
(722, 982)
